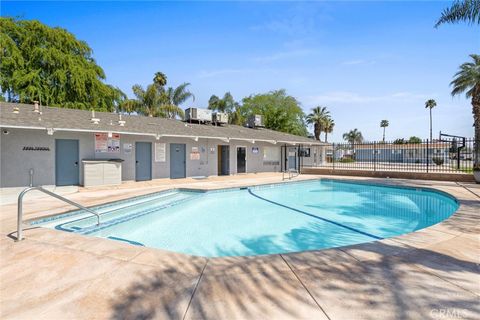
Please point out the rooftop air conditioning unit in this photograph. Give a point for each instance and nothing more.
(255, 121)
(220, 117)
(197, 114)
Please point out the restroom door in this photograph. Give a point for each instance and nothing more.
(241, 159)
(292, 158)
(66, 162)
(143, 161)
(223, 160)
(178, 167)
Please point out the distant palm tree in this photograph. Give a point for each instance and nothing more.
(317, 117)
(467, 80)
(461, 11)
(328, 127)
(160, 79)
(384, 124)
(171, 100)
(353, 136)
(430, 104)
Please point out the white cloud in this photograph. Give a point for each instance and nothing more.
(222, 72)
(358, 62)
(353, 97)
(284, 55)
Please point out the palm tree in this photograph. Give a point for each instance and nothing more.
(353, 136)
(172, 98)
(467, 80)
(317, 118)
(148, 101)
(328, 127)
(461, 11)
(160, 79)
(430, 104)
(384, 124)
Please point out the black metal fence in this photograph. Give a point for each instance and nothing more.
(449, 155)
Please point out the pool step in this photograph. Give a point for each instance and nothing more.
(127, 209)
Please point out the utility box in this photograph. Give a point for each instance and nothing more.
(198, 115)
(102, 172)
(255, 121)
(220, 117)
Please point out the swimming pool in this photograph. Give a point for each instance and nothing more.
(278, 218)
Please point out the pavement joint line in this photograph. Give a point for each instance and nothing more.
(466, 188)
(304, 286)
(195, 289)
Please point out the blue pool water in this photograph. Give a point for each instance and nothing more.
(264, 220)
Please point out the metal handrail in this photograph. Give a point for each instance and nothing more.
(20, 208)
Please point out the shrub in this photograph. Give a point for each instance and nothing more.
(438, 161)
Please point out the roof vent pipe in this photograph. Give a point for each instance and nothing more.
(120, 121)
(36, 107)
(93, 119)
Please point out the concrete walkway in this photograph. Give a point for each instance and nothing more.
(429, 274)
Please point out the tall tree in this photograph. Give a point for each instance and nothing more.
(384, 124)
(430, 104)
(467, 80)
(148, 100)
(50, 65)
(461, 11)
(353, 136)
(280, 111)
(318, 117)
(160, 79)
(228, 105)
(328, 127)
(171, 100)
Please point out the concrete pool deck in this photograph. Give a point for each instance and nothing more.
(429, 274)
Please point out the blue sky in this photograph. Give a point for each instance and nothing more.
(365, 61)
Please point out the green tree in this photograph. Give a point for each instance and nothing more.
(430, 104)
(50, 65)
(148, 101)
(280, 111)
(384, 124)
(318, 117)
(228, 105)
(160, 79)
(328, 127)
(353, 136)
(461, 11)
(414, 139)
(171, 100)
(467, 80)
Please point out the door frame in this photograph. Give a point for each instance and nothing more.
(150, 162)
(236, 159)
(184, 161)
(78, 162)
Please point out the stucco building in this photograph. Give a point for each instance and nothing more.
(52, 146)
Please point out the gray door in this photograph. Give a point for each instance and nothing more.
(292, 158)
(66, 162)
(143, 161)
(224, 160)
(177, 161)
(241, 159)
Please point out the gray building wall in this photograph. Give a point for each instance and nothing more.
(16, 162)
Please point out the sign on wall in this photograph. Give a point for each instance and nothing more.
(127, 148)
(104, 143)
(160, 152)
(255, 150)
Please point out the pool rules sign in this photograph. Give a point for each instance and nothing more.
(105, 142)
(160, 152)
